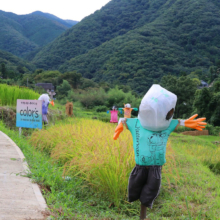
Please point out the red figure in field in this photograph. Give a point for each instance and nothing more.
(114, 115)
(150, 132)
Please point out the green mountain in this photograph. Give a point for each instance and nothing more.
(21, 34)
(71, 22)
(12, 62)
(115, 19)
(138, 41)
(67, 23)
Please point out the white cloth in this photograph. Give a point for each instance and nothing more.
(121, 120)
(182, 122)
(45, 99)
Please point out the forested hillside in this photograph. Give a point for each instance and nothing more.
(115, 19)
(21, 34)
(12, 62)
(139, 41)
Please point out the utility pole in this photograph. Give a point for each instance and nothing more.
(27, 82)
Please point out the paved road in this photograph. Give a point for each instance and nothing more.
(19, 198)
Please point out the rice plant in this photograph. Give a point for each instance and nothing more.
(208, 153)
(10, 94)
(87, 148)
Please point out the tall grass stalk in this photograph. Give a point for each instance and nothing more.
(188, 208)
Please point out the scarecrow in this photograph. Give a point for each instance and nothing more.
(69, 108)
(114, 114)
(45, 102)
(127, 110)
(150, 132)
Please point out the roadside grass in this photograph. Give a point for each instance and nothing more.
(190, 190)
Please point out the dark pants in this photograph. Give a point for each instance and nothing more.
(144, 184)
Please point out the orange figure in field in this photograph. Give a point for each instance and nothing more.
(127, 110)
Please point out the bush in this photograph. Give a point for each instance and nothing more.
(104, 119)
(181, 129)
(213, 130)
(88, 98)
(63, 89)
(100, 100)
(118, 98)
(101, 108)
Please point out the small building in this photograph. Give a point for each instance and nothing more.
(203, 84)
(45, 86)
(48, 87)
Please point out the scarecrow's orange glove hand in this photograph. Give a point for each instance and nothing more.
(195, 124)
(118, 130)
(52, 103)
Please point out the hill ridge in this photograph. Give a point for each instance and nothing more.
(21, 34)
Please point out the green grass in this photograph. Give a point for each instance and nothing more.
(210, 138)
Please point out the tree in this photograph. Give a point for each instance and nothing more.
(201, 104)
(21, 69)
(63, 89)
(214, 109)
(3, 71)
(73, 78)
(47, 77)
(11, 74)
(184, 88)
(27, 80)
(216, 86)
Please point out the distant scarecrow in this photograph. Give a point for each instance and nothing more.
(45, 103)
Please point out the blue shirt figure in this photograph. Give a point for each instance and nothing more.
(45, 103)
(150, 132)
(149, 146)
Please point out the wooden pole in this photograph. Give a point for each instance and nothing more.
(143, 212)
(20, 131)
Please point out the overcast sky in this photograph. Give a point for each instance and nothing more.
(66, 9)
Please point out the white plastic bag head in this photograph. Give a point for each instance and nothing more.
(154, 107)
(45, 98)
(127, 105)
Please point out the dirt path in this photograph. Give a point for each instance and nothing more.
(19, 198)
